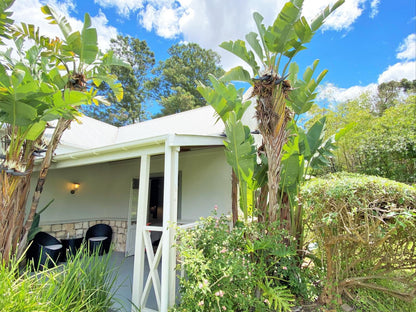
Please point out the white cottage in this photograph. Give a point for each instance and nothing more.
(139, 178)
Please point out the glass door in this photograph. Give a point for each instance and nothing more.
(132, 217)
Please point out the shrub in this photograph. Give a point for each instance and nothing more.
(365, 229)
(83, 284)
(241, 269)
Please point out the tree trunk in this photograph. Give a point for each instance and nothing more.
(14, 193)
(61, 126)
(273, 116)
(234, 199)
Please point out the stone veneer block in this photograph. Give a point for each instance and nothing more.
(60, 234)
(68, 227)
(56, 227)
(46, 228)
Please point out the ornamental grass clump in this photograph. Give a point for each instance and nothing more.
(84, 283)
(244, 268)
(365, 230)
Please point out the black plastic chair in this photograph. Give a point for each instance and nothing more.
(98, 238)
(44, 251)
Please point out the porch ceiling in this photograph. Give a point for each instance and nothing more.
(133, 149)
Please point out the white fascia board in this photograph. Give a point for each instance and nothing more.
(132, 149)
(195, 140)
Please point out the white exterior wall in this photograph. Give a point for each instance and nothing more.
(105, 188)
(206, 182)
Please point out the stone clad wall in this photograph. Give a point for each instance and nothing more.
(78, 229)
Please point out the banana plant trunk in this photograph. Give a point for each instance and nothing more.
(273, 116)
(61, 126)
(14, 191)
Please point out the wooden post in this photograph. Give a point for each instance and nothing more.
(170, 203)
(139, 250)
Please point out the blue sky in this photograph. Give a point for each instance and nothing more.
(365, 43)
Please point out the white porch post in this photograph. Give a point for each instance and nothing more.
(170, 204)
(138, 272)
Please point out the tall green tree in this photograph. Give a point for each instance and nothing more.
(389, 94)
(381, 132)
(131, 108)
(382, 145)
(174, 84)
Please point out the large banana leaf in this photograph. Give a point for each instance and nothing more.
(5, 20)
(315, 136)
(239, 48)
(224, 98)
(237, 74)
(54, 18)
(255, 44)
(319, 20)
(301, 98)
(22, 99)
(281, 33)
(89, 45)
(241, 156)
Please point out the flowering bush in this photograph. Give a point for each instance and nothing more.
(243, 269)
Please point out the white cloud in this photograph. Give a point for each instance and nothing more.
(332, 93)
(164, 20)
(407, 50)
(374, 8)
(405, 69)
(124, 7)
(104, 31)
(210, 22)
(399, 71)
(29, 12)
(341, 19)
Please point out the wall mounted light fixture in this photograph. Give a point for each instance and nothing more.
(75, 187)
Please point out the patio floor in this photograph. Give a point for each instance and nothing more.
(123, 285)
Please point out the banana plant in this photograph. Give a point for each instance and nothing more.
(240, 150)
(279, 95)
(46, 83)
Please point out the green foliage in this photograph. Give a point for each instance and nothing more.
(365, 230)
(277, 100)
(41, 80)
(382, 145)
(282, 40)
(239, 269)
(389, 93)
(5, 20)
(84, 283)
(376, 301)
(174, 85)
(302, 96)
(240, 150)
(388, 145)
(131, 108)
